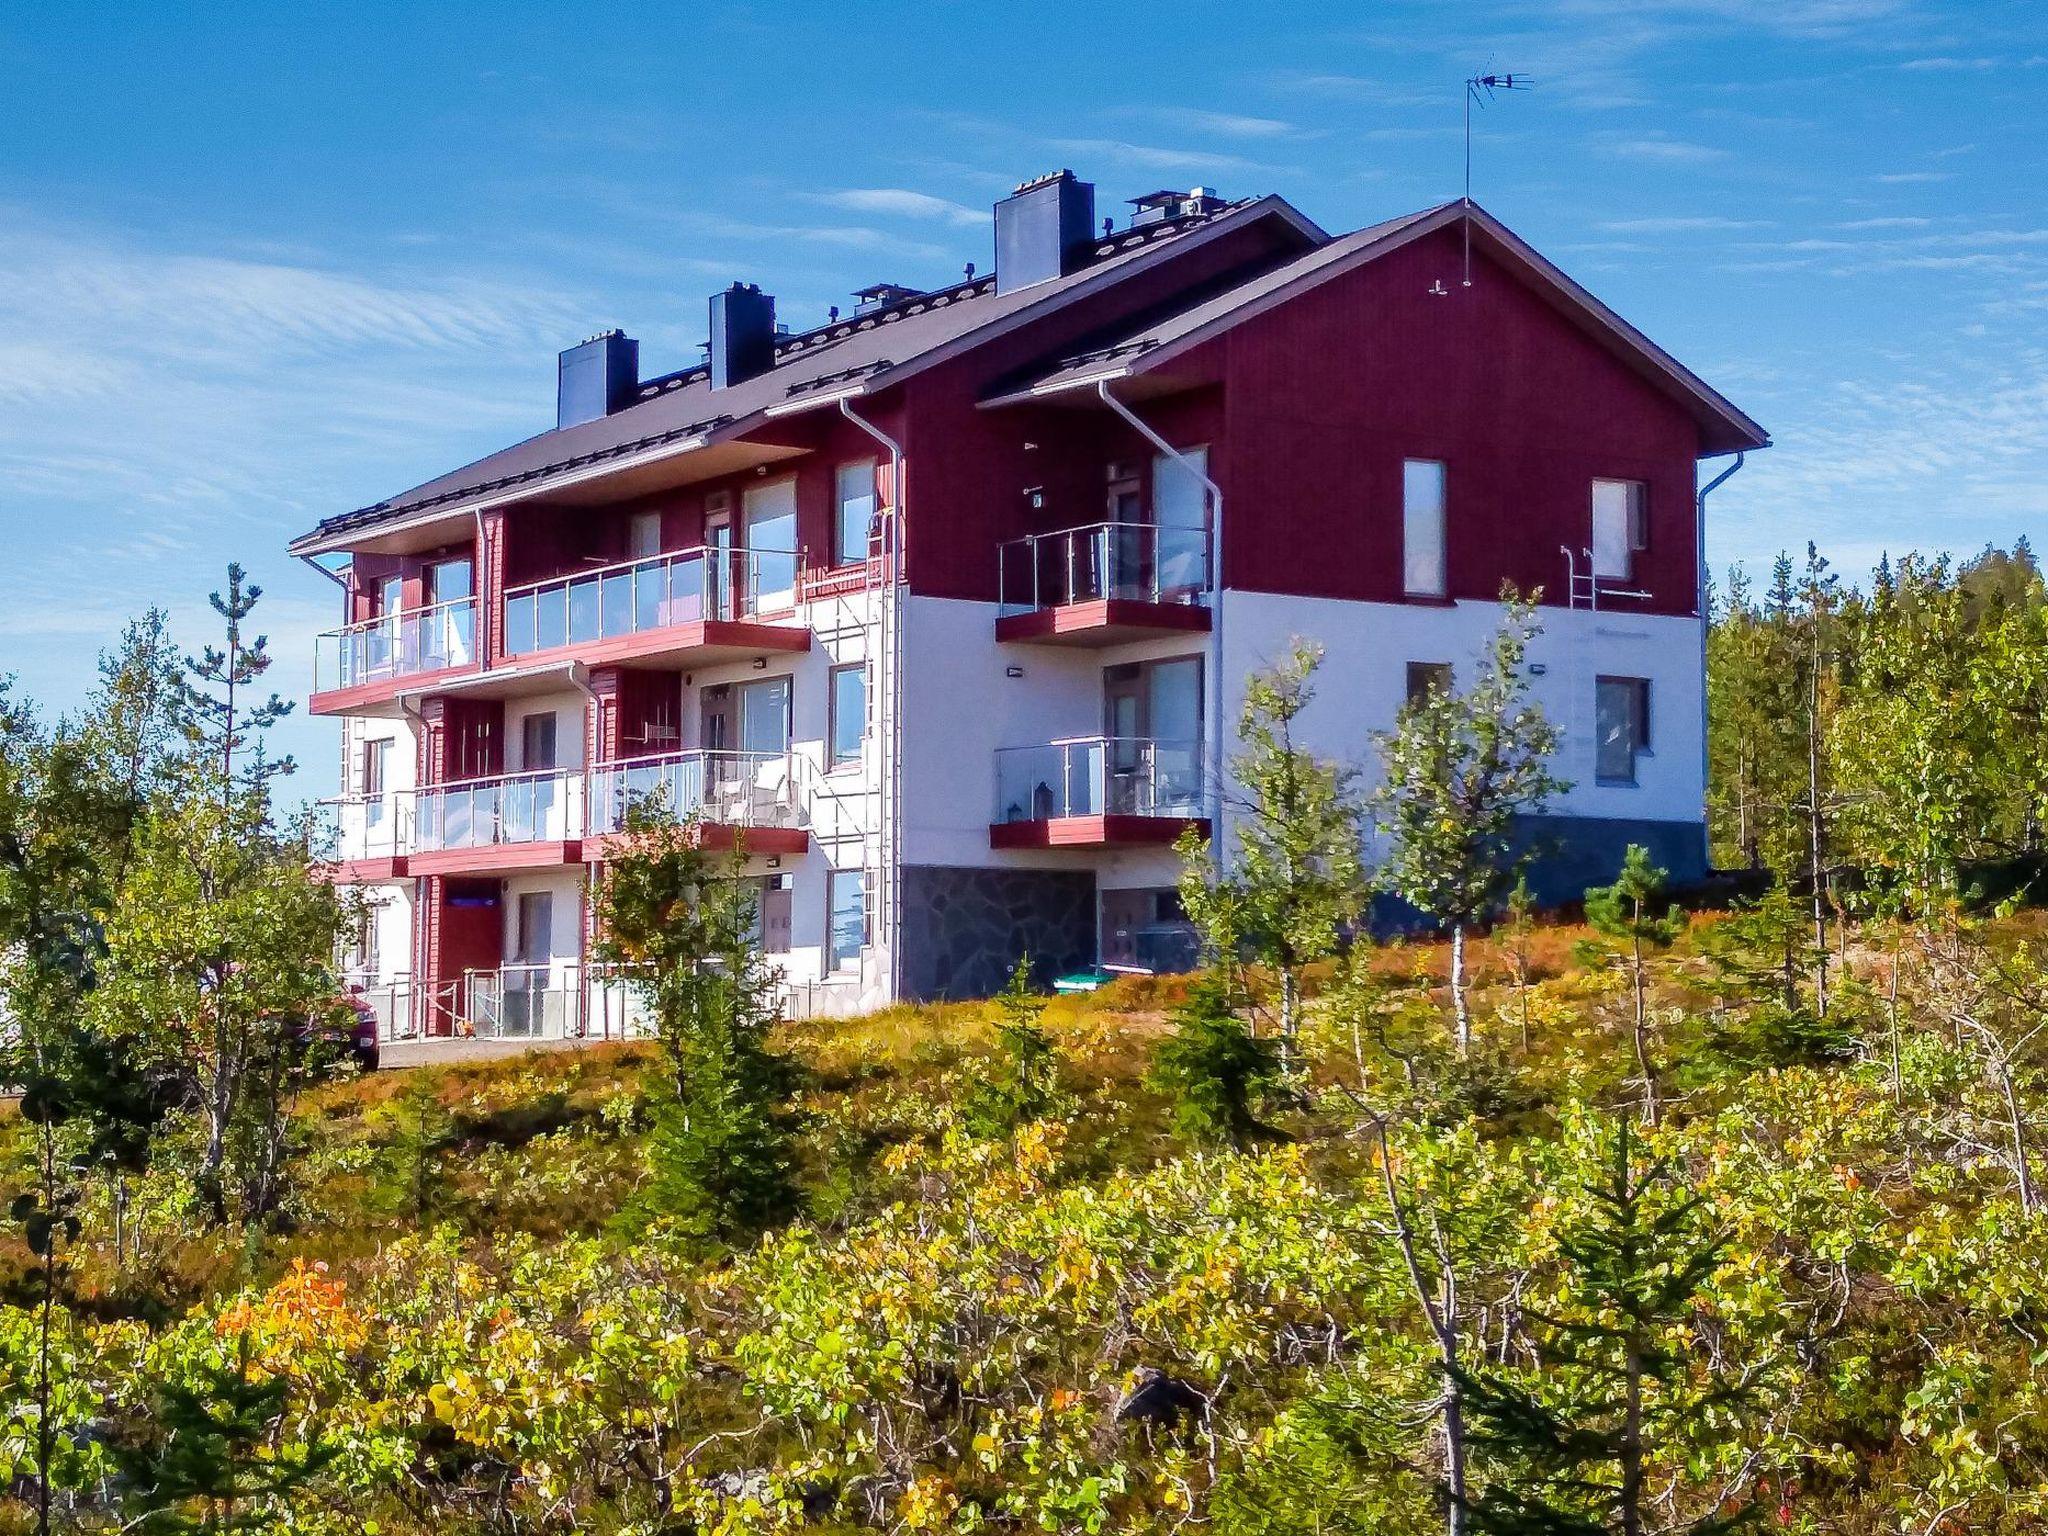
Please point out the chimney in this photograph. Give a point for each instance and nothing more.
(596, 377)
(742, 334)
(1041, 230)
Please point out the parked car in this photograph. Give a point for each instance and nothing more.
(348, 1028)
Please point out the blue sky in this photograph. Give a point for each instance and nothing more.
(281, 261)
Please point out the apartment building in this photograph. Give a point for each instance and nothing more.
(940, 612)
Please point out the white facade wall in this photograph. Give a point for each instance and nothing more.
(964, 705)
(1363, 682)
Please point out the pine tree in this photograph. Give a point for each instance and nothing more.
(1214, 1071)
(214, 1465)
(1023, 1083)
(219, 716)
(1565, 1447)
(1625, 913)
(721, 1158)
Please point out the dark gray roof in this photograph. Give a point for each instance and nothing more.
(866, 345)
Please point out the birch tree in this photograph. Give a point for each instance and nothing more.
(1459, 769)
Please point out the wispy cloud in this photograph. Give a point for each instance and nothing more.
(1946, 64)
(1897, 222)
(1909, 178)
(1151, 157)
(1660, 148)
(1680, 224)
(901, 202)
(1225, 125)
(852, 237)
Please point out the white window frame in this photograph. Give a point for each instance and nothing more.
(834, 961)
(1639, 748)
(1614, 559)
(866, 472)
(834, 758)
(1425, 529)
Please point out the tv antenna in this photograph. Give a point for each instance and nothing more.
(1481, 88)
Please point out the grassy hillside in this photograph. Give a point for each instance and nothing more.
(1095, 1325)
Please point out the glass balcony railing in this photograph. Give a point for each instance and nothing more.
(396, 645)
(643, 595)
(485, 813)
(370, 826)
(1099, 776)
(735, 789)
(1131, 562)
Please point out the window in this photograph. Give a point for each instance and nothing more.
(1620, 527)
(847, 919)
(1427, 677)
(390, 596)
(537, 742)
(376, 779)
(643, 536)
(849, 714)
(1621, 711)
(365, 959)
(535, 934)
(855, 512)
(448, 581)
(764, 716)
(1422, 527)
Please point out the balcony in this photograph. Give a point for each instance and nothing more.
(1103, 584)
(372, 836)
(1098, 792)
(697, 606)
(515, 821)
(367, 662)
(735, 799)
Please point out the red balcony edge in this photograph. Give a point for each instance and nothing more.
(339, 701)
(1106, 621)
(548, 853)
(717, 837)
(737, 635)
(1095, 831)
(391, 866)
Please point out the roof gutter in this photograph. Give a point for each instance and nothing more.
(1706, 618)
(334, 576)
(1215, 690)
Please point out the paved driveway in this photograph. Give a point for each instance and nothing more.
(442, 1053)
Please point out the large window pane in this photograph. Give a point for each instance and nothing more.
(1422, 527)
(1619, 528)
(849, 713)
(854, 513)
(1621, 727)
(764, 716)
(848, 916)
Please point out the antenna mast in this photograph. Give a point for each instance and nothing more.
(1480, 88)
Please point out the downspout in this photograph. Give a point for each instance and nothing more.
(579, 679)
(892, 693)
(1215, 689)
(1700, 541)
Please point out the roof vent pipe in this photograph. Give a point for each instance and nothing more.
(742, 334)
(1042, 230)
(596, 377)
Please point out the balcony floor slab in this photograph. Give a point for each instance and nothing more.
(1095, 831)
(498, 858)
(703, 643)
(1105, 622)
